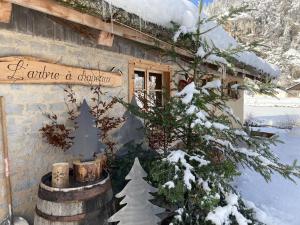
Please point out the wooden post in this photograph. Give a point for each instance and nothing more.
(5, 155)
(5, 11)
(60, 175)
(105, 38)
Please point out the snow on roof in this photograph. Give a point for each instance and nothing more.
(160, 12)
(294, 87)
(223, 40)
(184, 12)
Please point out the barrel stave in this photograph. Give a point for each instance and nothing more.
(86, 205)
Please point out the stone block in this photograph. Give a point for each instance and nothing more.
(11, 122)
(26, 184)
(36, 107)
(7, 95)
(27, 97)
(58, 89)
(16, 130)
(8, 51)
(3, 211)
(16, 87)
(14, 109)
(55, 107)
(2, 190)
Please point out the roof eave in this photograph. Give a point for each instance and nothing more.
(52, 7)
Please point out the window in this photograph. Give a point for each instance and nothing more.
(249, 30)
(231, 90)
(150, 83)
(205, 79)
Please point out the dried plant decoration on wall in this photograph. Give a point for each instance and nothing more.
(60, 135)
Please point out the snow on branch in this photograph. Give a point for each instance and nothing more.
(182, 158)
(221, 215)
(187, 93)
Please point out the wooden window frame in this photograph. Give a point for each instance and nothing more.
(228, 92)
(148, 67)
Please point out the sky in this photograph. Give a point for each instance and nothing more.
(205, 1)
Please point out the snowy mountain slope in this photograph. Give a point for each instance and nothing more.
(274, 22)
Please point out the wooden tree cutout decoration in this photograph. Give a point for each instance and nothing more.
(133, 128)
(86, 136)
(138, 209)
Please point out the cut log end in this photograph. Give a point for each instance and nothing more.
(5, 12)
(105, 39)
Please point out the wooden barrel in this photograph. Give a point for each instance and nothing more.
(89, 204)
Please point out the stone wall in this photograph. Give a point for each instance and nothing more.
(30, 157)
(238, 104)
(34, 34)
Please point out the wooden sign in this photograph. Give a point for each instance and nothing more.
(22, 70)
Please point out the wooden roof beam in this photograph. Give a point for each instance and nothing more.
(5, 11)
(105, 39)
(107, 30)
(53, 8)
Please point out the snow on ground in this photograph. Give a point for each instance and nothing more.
(279, 200)
(283, 112)
(273, 102)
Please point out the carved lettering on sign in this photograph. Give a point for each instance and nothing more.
(21, 70)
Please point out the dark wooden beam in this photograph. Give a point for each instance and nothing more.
(105, 38)
(106, 30)
(51, 7)
(5, 11)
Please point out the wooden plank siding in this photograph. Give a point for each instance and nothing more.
(97, 28)
(35, 23)
(51, 7)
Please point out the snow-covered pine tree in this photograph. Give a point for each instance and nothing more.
(136, 195)
(86, 135)
(197, 178)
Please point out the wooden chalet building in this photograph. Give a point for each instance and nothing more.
(47, 44)
(294, 90)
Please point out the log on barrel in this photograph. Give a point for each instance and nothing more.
(88, 171)
(90, 204)
(60, 175)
